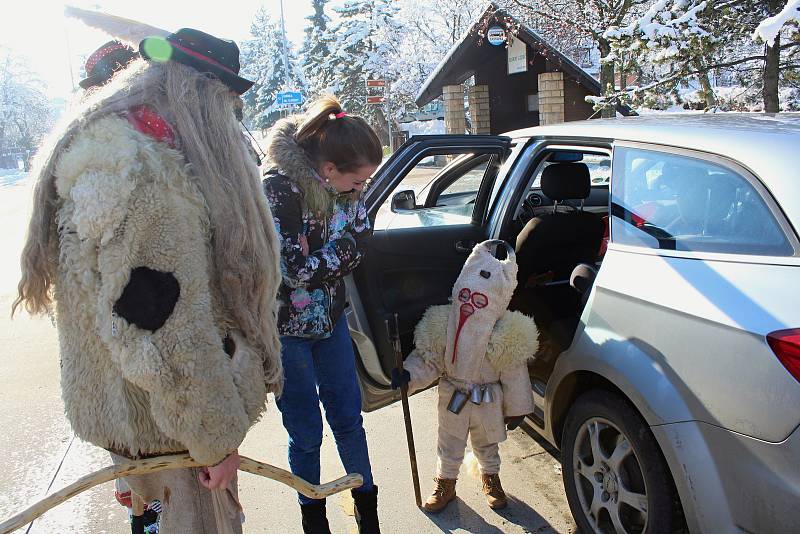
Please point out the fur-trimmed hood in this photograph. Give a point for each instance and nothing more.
(285, 154)
(513, 340)
(290, 160)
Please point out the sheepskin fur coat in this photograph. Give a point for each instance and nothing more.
(151, 363)
(476, 340)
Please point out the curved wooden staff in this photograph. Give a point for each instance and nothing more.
(175, 461)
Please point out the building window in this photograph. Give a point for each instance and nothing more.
(533, 102)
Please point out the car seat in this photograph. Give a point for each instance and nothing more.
(556, 242)
(548, 248)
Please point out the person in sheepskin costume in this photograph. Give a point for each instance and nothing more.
(152, 238)
(479, 351)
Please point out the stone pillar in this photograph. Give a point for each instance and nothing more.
(551, 98)
(479, 109)
(455, 119)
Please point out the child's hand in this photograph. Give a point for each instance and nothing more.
(400, 379)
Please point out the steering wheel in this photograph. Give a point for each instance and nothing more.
(529, 205)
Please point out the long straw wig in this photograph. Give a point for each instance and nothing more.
(244, 244)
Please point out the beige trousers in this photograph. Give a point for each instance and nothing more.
(186, 506)
(450, 451)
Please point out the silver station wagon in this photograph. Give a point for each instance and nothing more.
(659, 257)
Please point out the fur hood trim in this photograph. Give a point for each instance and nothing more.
(290, 159)
(514, 339)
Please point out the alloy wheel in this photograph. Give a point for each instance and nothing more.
(609, 479)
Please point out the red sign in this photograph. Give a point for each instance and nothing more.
(376, 83)
(375, 100)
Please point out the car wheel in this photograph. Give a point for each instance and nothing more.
(614, 475)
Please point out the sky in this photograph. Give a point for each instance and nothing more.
(54, 45)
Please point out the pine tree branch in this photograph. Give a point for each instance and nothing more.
(614, 97)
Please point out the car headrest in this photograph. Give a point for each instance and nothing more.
(566, 181)
(582, 277)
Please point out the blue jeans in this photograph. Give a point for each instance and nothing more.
(323, 370)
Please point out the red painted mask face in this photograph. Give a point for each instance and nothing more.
(470, 302)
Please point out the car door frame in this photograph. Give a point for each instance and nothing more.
(370, 351)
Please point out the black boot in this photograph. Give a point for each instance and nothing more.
(367, 510)
(314, 520)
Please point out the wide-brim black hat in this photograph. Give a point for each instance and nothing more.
(202, 52)
(105, 61)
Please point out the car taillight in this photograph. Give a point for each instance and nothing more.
(786, 346)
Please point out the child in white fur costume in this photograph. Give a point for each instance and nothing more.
(477, 347)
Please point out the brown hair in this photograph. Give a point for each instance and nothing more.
(347, 141)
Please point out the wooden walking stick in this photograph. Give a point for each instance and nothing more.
(393, 330)
(175, 461)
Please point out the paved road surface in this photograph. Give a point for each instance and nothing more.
(37, 446)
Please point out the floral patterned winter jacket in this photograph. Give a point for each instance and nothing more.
(312, 294)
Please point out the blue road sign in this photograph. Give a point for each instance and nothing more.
(286, 98)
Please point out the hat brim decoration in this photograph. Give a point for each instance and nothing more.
(159, 49)
(105, 62)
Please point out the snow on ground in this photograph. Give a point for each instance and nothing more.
(431, 127)
(12, 177)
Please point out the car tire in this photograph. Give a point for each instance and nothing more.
(615, 477)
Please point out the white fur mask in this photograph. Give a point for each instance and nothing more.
(482, 292)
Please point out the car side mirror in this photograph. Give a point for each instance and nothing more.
(404, 201)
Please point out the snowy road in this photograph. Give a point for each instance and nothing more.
(36, 442)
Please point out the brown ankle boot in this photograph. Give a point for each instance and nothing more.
(493, 490)
(443, 493)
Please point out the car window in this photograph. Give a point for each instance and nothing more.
(599, 170)
(675, 202)
(469, 182)
(460, 175)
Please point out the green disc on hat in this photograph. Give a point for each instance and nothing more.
(157, 49)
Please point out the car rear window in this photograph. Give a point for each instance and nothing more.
(669, 201)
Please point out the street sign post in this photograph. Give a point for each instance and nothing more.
(289, 98)
(380, 96)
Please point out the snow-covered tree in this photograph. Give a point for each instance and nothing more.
(426, 39)
(25, 112)
(273, 69)
(693, 40)
(362, 45)
(315, 49)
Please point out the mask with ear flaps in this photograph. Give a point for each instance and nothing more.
(484, 288)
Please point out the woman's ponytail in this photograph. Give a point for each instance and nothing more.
(317, 117)
(327, 133)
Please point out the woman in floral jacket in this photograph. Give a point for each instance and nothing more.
(321, 162)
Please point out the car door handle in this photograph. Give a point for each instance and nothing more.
(465, 247)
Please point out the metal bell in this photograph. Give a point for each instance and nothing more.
(488, 396)
(457, 402)
(475, 395)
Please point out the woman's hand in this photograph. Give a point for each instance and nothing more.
(220, 475)
(304, 245)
